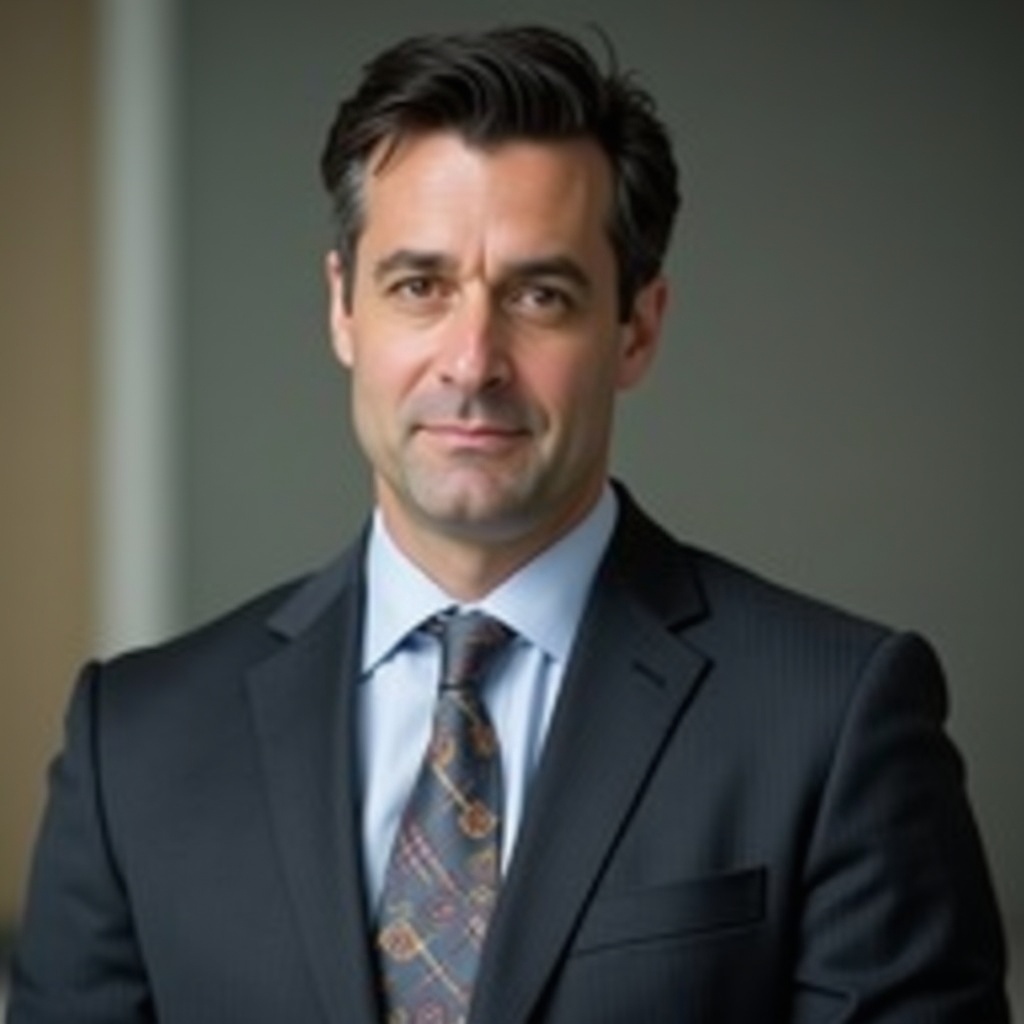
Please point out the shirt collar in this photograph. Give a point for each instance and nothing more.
(542, 601)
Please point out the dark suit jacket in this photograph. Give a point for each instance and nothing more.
(747, 812)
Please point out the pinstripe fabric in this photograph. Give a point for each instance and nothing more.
(442, 879)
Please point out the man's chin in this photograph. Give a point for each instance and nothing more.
(485, 514)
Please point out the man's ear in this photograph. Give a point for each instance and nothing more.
(642, 332)
(338, 316)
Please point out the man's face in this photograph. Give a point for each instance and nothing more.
(483, 340)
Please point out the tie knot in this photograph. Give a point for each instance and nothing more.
(470, 642)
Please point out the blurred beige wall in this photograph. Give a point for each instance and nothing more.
(46, 341)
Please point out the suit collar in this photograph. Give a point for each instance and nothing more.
(641, 556)
(653, 567)
(319, 593)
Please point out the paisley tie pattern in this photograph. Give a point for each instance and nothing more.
(442, 879)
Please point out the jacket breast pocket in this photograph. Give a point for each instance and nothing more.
(715, 903)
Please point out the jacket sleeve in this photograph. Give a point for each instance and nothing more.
(900, 923)
(77, 960)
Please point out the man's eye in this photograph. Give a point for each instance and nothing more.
(416, 288)
(543, 295)
(541, 300)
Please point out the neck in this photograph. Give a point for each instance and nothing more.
(468, 568)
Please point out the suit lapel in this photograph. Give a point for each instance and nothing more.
(302, 707)
(628, 682)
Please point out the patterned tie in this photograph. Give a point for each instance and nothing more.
(442, 878)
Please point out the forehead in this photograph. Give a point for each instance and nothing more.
(437, 191)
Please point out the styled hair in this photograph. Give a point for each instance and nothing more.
(517, 83)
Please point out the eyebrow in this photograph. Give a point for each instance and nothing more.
(411, 259)
(553, 266)
(428, 262)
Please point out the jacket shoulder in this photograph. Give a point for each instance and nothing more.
(719, 593)
(225, 647)
(240, 634)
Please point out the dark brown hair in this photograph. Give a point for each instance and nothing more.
(525, 82)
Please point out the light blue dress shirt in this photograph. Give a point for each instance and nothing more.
(542, 602)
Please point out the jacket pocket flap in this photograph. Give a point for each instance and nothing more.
(684, 908)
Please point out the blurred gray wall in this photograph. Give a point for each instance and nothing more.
(839, 402)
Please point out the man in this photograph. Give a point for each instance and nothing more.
(690, 795)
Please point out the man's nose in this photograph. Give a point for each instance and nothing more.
(474, 354)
